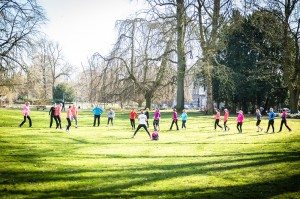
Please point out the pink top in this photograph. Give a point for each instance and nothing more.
(284, 114)
(240, 117)
(69, 113)
(226, 115)
(74, 111)
(156, 115)
(26, 110)
(217, 115)
(57, 111)
(175, 116)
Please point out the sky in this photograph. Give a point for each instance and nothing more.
(83, 27)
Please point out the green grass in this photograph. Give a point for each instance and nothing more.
(104, 162)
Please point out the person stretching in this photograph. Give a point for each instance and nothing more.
(183, 118)
(132, 117)
(217, 119)
(110, 116)
(156, 119)
(271, 120)
(226, 116)
(26, 111)
(51, 113)
(142, 123)
(283, 120)
(240, 120)
(174, 120)
(69, 118)
(75, 114)
(258, 120)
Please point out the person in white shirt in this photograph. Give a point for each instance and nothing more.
(142, 123)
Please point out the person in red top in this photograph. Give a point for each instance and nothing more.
(226, 115)
(132, 117)
(217, 119)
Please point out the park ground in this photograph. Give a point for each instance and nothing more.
(105, 162)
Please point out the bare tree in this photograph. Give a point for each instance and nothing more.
(142, 55)
(19, 24)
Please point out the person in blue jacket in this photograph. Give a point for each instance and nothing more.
(183, 117)
(271, 120)
(97, 111)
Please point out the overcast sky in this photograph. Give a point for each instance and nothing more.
(83, 27)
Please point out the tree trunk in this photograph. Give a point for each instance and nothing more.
(180, 54)
(294, 100)
(209, 91)
(148, 97)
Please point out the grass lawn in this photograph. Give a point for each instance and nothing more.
(104, 162)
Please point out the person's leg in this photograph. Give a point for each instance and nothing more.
(30, 122)
(237, 126)
(98, 120)
(225, 127)
(176, 124)
(131, 123)
(51, 121)
(138, 128)
(272, 123)
(241, 125)
(112, 121)
(172, 124)
(75, 118)
(285, 123)
(281, 124)
(215, 124)
(107, 121)
(147, 124)
(269, 124)
(24, 120)
(56, 121)
(95, 118)
(184, 123)
(69, 124)
(219, 124)
(145, 127)
(59, 121)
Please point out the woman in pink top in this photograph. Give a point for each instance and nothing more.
(240, 120)
(226, 116)
(69, 118)
(57, 117)
(26, 111)
(174, 119)
(217, 119)
(156, 119)
(283, 120)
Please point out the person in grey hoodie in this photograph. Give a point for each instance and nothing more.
(110, 116)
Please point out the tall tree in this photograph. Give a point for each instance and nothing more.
(19, 24)
(212, 15)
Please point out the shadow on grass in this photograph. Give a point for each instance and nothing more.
(122, 182)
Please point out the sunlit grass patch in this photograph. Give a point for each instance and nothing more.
(103, 161)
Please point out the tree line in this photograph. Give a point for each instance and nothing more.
(245, 53)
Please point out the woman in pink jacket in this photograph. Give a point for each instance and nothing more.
(57, 117)
(217, 119)
(226, 116)
(69, 118)
(240, 120)
(26, 111)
